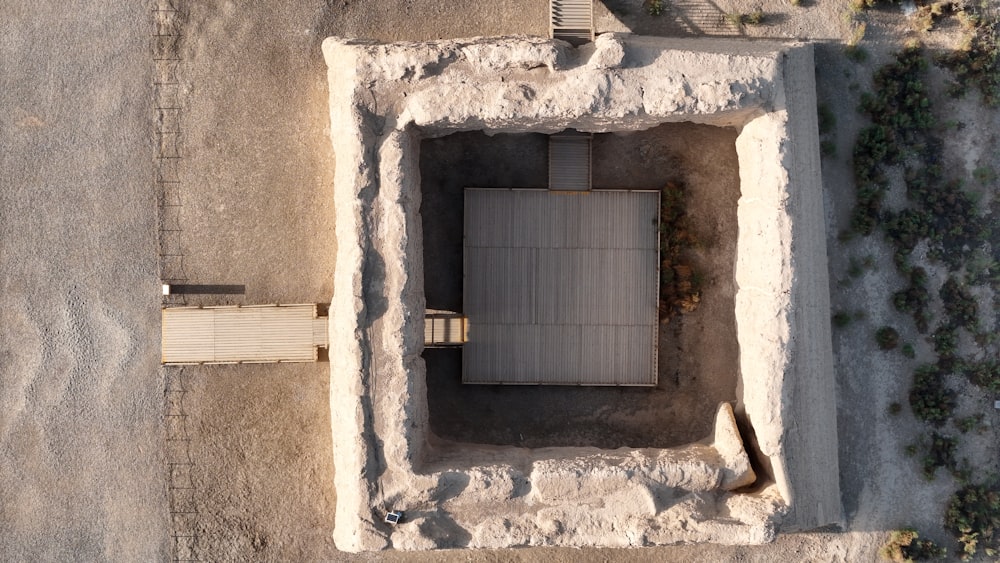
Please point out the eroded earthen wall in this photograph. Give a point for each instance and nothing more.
(384, 98)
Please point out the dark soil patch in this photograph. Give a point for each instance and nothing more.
(698, 351)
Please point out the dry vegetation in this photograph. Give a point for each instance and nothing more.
(944, 229)
(680, 284)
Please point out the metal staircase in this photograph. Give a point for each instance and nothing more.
(572, 21)
(569, 161)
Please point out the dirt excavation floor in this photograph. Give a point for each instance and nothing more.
(698, 352)
(87, 429)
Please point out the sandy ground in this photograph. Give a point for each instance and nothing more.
(83, 402)
(81, 434)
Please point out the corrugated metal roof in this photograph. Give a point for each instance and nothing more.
(561, 288)
(569, 161)
(254, 334)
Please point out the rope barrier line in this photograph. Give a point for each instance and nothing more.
(168, 17)
(167, 21)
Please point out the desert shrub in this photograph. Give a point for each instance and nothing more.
(870, 187)
(973, 517)
(740, 19)
(927, 14)
(901, 117)
(930, 400)
(908, 351)
(827, 148)
(945, 339)
(900, 100)
(981, 267)
(901, 260)
(906, 545)
(959, 304)
(923, 20)
(856, 53)
(940, 452)
(876, 142)
(984, 174)
(943, 213)
(914, 298)
(956, 225)
(887, 338)
(655, 7)
(985, 339)
(857, 266)
(841, 319)
(969, 423)
(826, 119)
(984, 373)
(906, 228)
(979, 63)
(680, 287)
(895, 408)
(854, 50)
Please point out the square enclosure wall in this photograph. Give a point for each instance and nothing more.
(384, 98)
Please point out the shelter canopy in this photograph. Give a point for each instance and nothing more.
(561, 288)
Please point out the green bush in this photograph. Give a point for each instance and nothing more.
(981, 268)
(901, 101)
(969, 423)
(915, 298)
(841, 319)
(908, 351)
(973, 517)
(930, 400)
(856, 53)
(901, 117)
(887, 338)
(985, 174)
(984, 373)
(826, 119)
(945, 344)
(906, 228)
(956, 226)
(960, 305)
(940, 453)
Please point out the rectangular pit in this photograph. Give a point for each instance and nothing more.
(698, 352)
